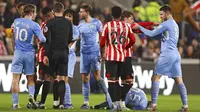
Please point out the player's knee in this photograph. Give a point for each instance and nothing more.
(30, 79)
(155, 78)
(97, 75)
(66, 79)
(85, 78)
(178, 80)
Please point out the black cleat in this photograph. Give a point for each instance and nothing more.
(29, 105)
(41, 106)
(33, 103)
(103, 105)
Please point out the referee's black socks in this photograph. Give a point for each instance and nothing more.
(62, 91)
(55, 90)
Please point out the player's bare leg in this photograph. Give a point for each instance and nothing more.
(15, 90)
(85, 90)
(189, 17)
(183, 94)
(154, 93)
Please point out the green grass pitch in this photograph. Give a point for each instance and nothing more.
(165, 103)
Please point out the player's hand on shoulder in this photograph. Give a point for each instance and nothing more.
(46, 61)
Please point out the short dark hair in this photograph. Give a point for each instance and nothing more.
(73, 13)
(20, 5)
(29, 9)
(166, 8)
(126, 14)
(58, 7)
(46, 10)
(87, 8)
(116, 12)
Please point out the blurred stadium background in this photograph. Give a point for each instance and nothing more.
(146, 51)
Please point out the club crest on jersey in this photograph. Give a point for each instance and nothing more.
(92, 26)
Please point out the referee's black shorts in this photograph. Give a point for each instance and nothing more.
(127, 70)
(58, 63)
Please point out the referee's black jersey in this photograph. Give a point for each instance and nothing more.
(59, 33)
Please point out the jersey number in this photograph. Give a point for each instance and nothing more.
(136, 96)
(19, 34)
(118, 39)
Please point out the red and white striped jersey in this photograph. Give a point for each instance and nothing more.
(40, 55)
(196, 6)
(147, 25)
(115, 35)
(129, 51)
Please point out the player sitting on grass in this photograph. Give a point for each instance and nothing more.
(135, 100)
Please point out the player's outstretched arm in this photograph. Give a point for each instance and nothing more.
(151, 33)
(146, 24)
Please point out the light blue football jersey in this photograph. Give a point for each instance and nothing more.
(169, 61)
(136, 99)
(24, 32)
(88, 35)
(169, 34)
(76, 35)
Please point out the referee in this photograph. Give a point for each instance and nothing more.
(59, 35)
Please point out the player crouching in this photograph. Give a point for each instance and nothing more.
(135, 100)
